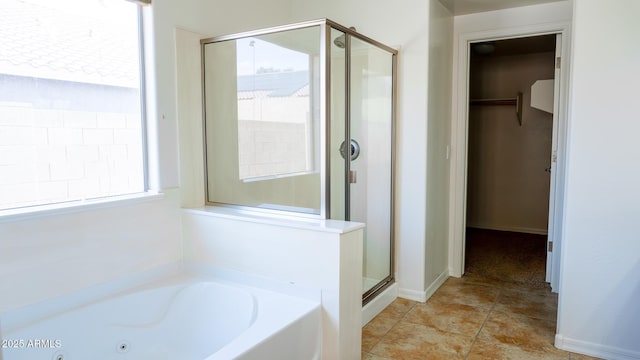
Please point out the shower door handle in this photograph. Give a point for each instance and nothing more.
(354, 149)
(353, 178)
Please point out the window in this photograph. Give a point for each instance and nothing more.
(274, 110)
(262, 120)
(70, 101)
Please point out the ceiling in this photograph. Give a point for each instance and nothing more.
(462, 7)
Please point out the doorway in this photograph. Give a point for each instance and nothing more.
(509, 152)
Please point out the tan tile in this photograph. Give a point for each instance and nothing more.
(456, 318)
(528, 304)
(529, 334)
(376, 329)
(368, 342)
(379, 326)
(520, 324)
(398, 308)
(458, 292)
(495, 350)
(407, 341)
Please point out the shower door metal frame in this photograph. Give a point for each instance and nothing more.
(325, 145)
(390, 279)
(323, 117)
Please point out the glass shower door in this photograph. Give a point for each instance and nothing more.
(361, 149)
(370, 178)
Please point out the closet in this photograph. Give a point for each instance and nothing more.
(509, 143)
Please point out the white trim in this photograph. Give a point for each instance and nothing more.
(32, 212)
(379, 303)
(459, 128)
(423, 296)
(594, 349)
(559, 168)
(414, 295)
(282, 220)
(554, 176)
(435, 285)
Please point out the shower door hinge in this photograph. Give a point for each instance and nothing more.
(550, 246)
(558, 61)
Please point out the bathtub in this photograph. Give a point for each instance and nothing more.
(184, 316)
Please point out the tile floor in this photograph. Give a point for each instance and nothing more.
(468, 318)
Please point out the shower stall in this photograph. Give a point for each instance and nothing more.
(299, 120)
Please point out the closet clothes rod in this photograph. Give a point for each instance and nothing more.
(517, 101)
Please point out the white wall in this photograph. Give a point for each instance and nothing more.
(50, 255)
(438, 140)
(600, 279)
(189, 114)
(521, 17)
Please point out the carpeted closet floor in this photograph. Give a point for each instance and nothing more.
(506, 256)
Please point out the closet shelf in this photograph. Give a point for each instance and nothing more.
(517, 101)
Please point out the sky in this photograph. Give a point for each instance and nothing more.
(267, 55)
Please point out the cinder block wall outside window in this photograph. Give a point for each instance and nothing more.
(58, 155)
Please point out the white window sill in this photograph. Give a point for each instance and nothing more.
(32, 212)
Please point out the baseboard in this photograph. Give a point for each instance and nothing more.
(379, 303)
(420, 296)
(519, 229)
(593, 349)
(423, 296)
(435, 285)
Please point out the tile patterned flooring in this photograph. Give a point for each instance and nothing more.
(468, 318)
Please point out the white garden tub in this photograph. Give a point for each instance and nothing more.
(182, 317)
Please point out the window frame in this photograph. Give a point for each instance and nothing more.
(80, 205)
